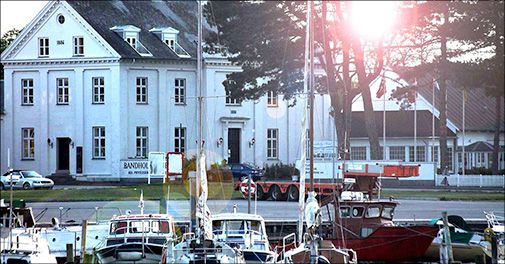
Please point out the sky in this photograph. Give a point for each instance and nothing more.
(17, 14)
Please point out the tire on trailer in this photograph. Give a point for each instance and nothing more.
(293, 193)
(260, 194)
(276, 193)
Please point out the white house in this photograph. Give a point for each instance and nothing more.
(91, 87)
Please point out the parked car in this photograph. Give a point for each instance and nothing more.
(27, 179)
(5, 180)
(243, 170)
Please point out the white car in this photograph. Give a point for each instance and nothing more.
(26, 179)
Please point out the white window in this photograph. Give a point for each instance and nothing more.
(43, 47)
(98, 90)
(420, 155)
(231, 101)
(170, 43)
(397, 153)
(434, 154)
(78, 46)
(272, 143)
(180, 139)
(132, 41)
(180, 91)
(480, 159)
(142, 141)
(27, 91)
(62, 91)
(28, 143)
(141, 90)
(358, 153)
(99, 142)
(272, 100)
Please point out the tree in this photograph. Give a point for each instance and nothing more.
(5, 41)
(267, 40)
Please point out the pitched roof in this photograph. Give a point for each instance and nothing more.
(399, 124)
(480, 108)
(146, 15)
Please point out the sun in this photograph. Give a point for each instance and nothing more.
(372, 19)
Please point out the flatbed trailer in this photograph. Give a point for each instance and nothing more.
(365, 173)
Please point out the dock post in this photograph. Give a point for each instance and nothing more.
(70, 253)
(446, 256)
(84, 233)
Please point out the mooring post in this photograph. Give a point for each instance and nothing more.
(70, 253)
(446, 256)
(83, 240)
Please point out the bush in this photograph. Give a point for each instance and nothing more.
(280, 171)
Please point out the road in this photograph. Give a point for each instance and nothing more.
(408, 209)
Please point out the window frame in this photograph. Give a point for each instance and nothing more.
(100, 87)
(420, 150)
(180, 98)
(272, 143)
(43, 44)
(132, 41)
(99, 141)
(62, 88)
(231, 102)
(272, 99)
(143, 139)
(142, 90)
(180, 139)
(78, 48)
(28, 151)
(393, 152)
(27, 92)
(358, 153)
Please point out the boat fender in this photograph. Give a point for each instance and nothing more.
(323, 260)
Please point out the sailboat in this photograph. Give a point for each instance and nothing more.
(199, 246)
(312, 248)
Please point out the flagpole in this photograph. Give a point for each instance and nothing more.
(384, 124)
(433, 125)
(463, 143)
(415, 126)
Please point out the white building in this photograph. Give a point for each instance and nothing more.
(93, 87)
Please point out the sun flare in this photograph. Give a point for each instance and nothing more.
(372, 19)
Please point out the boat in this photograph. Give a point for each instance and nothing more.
(138, 238)
(495, 233)
(26, 247)
(245, 231)
(467, 246)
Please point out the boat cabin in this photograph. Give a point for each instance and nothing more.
(152, 228)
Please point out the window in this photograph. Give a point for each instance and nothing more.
(98, 90)
(449, 159)
(27, 91)
(480, 159)
(272, 143)
(142, 141)
(62, 91)
(358, 153)
(141, 90)
(99, 142)
(434, 153)
(373, 211)
(43, 47)
(345, 211)
(272, 99)
(170, 43)
(180, 139)
(78, 46)
(397, 153)
(357, 211)
(180, 91)
(231, 101)
(28, 143)
(132, 41)
(420, 156)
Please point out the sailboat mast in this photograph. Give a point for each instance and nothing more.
(311, 97)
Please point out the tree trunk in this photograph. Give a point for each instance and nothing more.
(443, 99)
(364, 86)
(496, 140)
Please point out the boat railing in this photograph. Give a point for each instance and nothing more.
(493, 219)
(284, 239)
(188, 236)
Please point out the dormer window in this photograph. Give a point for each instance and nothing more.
(130, 34)
(169, 36)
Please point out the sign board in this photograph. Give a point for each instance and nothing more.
(175, 163)
(325, 149)
(157, 166)
(322, 170)
(134, 168)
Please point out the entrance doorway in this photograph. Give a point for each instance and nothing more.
(63, 154)
(234, 145)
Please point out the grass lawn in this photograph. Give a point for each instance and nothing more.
(218, 191)
(151, 192)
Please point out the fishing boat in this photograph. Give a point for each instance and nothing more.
(247, 231)
(467, 246)
(138, 238)
(26, 247)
